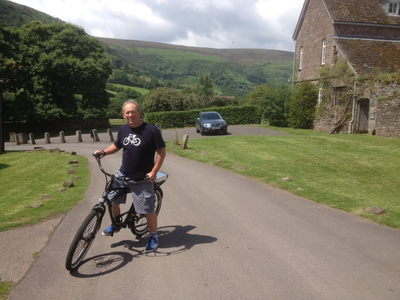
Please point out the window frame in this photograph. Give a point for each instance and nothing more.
(394, 9)
(337, 95)
(301, 57)
(320, 95)
(323, 54)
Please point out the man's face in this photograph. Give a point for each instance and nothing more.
(132, 115)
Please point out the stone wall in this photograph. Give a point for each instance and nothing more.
(312, 43)
(388, 117)
(384, 111)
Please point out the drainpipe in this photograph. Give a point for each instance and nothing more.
(354, 106)
(294, 65)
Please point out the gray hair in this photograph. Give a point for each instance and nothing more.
(130, 101)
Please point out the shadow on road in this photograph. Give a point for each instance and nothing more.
(173, 240)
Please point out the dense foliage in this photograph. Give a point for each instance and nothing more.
(15, 15)
(180, 69)
(168, 99)
(57, 71)
(234, 115)
(302, 105)
(271, 102)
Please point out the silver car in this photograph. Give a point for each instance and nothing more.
(211, 121)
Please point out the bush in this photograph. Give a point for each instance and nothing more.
(234, 115)
(302, 106)
(271, 101)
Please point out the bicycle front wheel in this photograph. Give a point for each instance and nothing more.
(140, 226)
(83, 239)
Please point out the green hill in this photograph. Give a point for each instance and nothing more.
(149, 65)
(234, 71)
(15, 15)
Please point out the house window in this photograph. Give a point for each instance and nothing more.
(339, 95)
(394, 8)
(319, 95)
(323, 52)
(301, 58)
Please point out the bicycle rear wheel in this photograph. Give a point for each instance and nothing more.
(140, 226)
(83, 239)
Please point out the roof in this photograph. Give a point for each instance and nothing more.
(353, 11)
(364, 55)
(359, 11)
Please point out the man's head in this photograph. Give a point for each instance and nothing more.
(131, 113)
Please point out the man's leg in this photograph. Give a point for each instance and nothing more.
(152, 244)
(152, 221)
(116, 210)
(111, 229)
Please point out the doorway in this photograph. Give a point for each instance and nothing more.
(363, 116)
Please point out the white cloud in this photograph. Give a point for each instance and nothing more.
(264, 24)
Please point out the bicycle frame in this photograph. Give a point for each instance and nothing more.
(87, 231)
(131, 214)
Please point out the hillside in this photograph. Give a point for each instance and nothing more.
(149, 64)
(15, 15)
(242, 56)
(234, 71)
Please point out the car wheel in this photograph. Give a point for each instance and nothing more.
(201, 131)
(197, 130)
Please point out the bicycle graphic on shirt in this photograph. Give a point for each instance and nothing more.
(132, 139)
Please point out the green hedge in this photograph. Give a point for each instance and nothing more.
(234, 115)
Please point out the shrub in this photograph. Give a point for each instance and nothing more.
(302, 105)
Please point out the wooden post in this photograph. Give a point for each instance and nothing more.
(62, 137)
(23, 138)
(79, 136)
(110, 135)
(12, 137)
(32, 139)
(176, 141)
(95, 136)
(184, 142)
(47, 138)
(17, 139)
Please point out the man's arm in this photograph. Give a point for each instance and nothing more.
(157, 166)
(110, 150)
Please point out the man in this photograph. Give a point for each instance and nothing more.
(139, 141)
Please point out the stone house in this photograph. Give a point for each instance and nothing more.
(366, 33)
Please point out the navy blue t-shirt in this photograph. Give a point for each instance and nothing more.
(139, 146)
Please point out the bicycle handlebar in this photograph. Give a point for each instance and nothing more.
(97, 157)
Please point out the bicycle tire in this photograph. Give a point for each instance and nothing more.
(83, 239)
(140, 226)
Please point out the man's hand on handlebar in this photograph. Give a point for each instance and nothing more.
(100, 153)
(150, 177)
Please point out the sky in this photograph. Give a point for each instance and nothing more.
(222, 24)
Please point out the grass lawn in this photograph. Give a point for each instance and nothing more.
(347, 172)
(5, 288)
(33, 179)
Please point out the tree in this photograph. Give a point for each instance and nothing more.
(168, 99)
(271, 102)
(204, 89)
(302, 105)
(55, 63)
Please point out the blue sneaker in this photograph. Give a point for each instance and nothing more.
(110, 230)
(152, 244)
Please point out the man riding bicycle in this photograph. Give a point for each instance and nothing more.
(138, 163)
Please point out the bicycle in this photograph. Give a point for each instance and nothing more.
(136, 222)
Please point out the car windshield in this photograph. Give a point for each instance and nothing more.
(211, 116)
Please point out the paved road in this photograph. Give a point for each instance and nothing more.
(223, 236)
